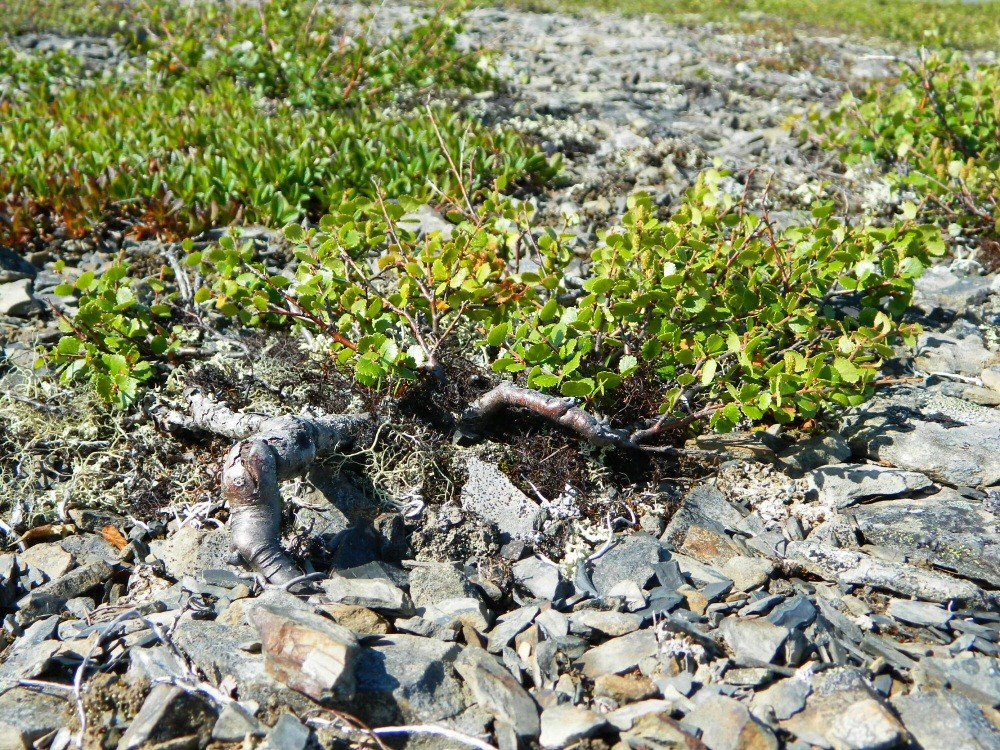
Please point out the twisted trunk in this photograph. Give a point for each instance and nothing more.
(268, 450)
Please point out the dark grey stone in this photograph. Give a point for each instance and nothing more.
(796, 613)
(632, 560)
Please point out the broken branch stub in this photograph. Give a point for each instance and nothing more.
(268, 450)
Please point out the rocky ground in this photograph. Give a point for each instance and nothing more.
(839, 591)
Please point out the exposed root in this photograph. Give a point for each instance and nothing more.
(565, 413)
(269, 450)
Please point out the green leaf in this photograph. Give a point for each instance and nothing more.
(627, 364)
(69, 345)
(846, 369)
(708, 371)
(498, 334)
(577, 388)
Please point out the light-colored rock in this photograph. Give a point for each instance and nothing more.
(975, 677)
(619, 654)
(624, 689)
(28, 714)
(189, 551)
(946, 719)
(379, 594)
(919, 613)
(612, 624)
(726, 724)
(432, 582)
(753, 640)
(496, 690)
(748, 573)
(17, 299)
(848, 484)
(781, 701)
(492, 496)
(563, 725)
(307, 652)
(509, 625)
(50, 558)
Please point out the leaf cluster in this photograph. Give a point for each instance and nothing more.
(939, 131)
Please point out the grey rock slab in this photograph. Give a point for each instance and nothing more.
(632, 559)
(17, 298)
(700, 573)
(781, 701)
(945, 719)
(89, 548)
(50, 598)
(29, 654)
(492, 496)
(844, 711)
(432, 582)
(409, 678)
(563, 725)
(307, 652)
(848, 484)
(155, 664)
(50, 558)
(9, 573)
(657, 731)
(235, 722)
(748, 573)
(624, 718)
(468, 611)
(424, 220)
(169, 713)
(951, 531)
(859, 569)
(753, 640)
(919, 613)
(795, 613)
(703, 506)
(726, 724)
(543, 580)
(27, 714)
(976, 677)
(190, 551)
(288, 733)
(496, 690)
(612, 624)
(949, 440)
(379, 594)
(816, 451)
(553, 623)
(619, 654)
(940, 352)
(508, 626)
(940, 288)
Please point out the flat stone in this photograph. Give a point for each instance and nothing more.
(843, 711)
(543, 580)
(89, 548)
(562, 725)
(794, 613)
(156, 663)
(940, 352)
(612, 624)
(27, 714)
(726, 724)
(748, 573)
(703, 506)
(288, 733)
(50, 558)
(492, 496)
(466, 611)
(946, 719)
(625, 689)
(356, 618)
(235, 724)
(190, 551)
(632, 560)
(14, 267)
(753, 640)
(952, 531)
(408, 678)
(619, 654)
(699, 573)
(50, 598)
(919, 613)
(655, 730)
(975, 677)
(848, 484)
(508, 626)
(168, 713)
(628, 716)
(29, 655)
(553, 623)
(17, 298)
(432, 582)
(496, 690)
(781, 701)
(379, 594)
(856, 568)
(307, 652)
(949, 440)
(816, 451)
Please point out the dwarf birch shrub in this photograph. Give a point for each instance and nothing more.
(938, 130)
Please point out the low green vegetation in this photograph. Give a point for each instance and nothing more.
(272, 114)
(937, 134)
(229, 112)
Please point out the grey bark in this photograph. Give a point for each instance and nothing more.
(268, 450)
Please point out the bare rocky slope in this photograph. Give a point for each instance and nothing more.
(837, 591)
